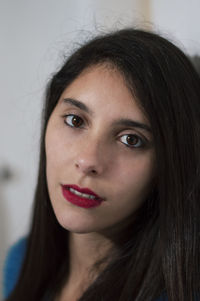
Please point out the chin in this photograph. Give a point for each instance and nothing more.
(76, 225)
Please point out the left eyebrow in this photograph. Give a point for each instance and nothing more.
(78, 104)
(132, 123)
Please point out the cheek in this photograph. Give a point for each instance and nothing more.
(54, 150)
(57, 147)
(135, 178)
(140, 170)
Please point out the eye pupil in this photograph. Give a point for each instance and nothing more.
(132, 140)
(76, 121)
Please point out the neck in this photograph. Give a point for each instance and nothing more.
(89, 248)
(85, 250)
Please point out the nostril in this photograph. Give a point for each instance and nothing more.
(89, 163)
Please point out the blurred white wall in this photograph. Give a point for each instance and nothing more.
(34, 36)
(179, 20)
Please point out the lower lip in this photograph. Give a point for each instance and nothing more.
(80, 201)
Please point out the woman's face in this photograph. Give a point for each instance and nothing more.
(100, 155)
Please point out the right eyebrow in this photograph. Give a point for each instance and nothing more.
(78, 104)
(133, 124)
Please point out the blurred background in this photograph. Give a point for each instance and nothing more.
(35, 36)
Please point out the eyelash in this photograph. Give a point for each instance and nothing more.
(72, 115)
(142, 144)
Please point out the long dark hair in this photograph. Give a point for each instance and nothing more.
(161, 255)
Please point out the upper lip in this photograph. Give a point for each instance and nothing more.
(82, 190)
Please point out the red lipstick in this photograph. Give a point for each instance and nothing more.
(82, 197)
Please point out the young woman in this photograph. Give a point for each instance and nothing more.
(117, 210)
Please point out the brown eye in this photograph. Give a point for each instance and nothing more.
(74, 121)
(133, 141)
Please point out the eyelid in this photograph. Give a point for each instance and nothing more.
(143, 141)
(79, 113)
(132, 131)
(73, 115)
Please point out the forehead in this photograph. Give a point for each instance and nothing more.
(104, 90)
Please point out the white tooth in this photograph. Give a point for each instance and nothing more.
(84, 195)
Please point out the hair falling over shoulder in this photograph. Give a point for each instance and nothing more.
(161, 255)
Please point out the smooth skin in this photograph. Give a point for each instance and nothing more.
(97, 137)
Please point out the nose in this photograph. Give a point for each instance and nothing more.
(91, 158)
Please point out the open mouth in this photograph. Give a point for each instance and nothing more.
(82, 197)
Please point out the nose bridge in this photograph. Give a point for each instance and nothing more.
(92, 155)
